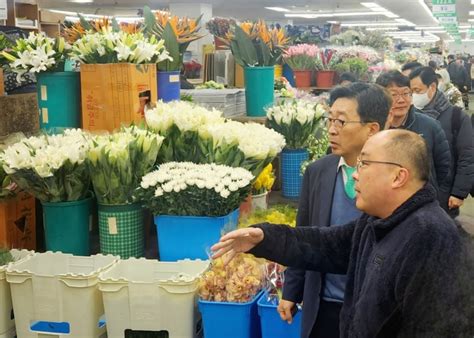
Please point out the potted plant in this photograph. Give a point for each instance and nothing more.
(257, 49)
(177, 34)
(296, 120)
(193, 203)
(58, 91)
(52, 168)
(302, 60)
(354, 65)
(228, 295)
(325, 63)
(261, 187)
(117, 163)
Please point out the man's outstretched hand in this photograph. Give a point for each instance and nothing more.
(241, 240)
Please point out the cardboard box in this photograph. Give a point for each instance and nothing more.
(116, 94)
(50, 17)
(239, 76)
(18, 222)
(19, 113)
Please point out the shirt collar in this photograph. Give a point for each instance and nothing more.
(341, 163)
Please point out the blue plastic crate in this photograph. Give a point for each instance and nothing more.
(235, 320)
(181, 237)
(272, 325)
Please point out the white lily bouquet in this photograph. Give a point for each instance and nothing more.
(37, 53)
(296, 120)
(114, 47)
(50, 167)
(190, 189)
(117, 163)
(248, 145)
(179, 122)
(199, 135)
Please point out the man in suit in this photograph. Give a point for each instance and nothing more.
(328, 199)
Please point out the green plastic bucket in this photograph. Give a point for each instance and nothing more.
(121, 230)
(66, 226)
(259, 86)
(59, 99)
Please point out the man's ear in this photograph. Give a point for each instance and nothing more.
(401, 179)
(374, 128)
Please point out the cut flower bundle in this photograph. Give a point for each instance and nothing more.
(189, 189)
(50, 167)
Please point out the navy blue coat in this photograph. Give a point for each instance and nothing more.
(314, 208)
(406, 274)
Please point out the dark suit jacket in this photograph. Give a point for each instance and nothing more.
(314, 209)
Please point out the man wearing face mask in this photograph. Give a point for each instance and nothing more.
(458, 130)
(403, 115)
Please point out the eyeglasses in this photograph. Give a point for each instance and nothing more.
(404, 96)
(338, 123)
(363, 163)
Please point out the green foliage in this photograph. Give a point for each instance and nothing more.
(318, 145)
(5, 257)
(250, 52)
(357, 66)
(172, 46)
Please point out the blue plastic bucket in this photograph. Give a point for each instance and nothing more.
(236, 320)
(291, 177)
(181, 237)
(168, 85)
(271, 323)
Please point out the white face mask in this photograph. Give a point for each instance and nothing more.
(421, 100)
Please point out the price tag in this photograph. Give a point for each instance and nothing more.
(44, 93)
(174, 78)
(44, 114)
(112, 221)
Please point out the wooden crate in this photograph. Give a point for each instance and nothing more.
(116, 94)
(18, 222)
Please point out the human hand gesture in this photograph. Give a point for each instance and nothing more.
(241, 240)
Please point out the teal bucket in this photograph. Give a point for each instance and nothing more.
(59, 99)
(259, 86)
(66, 226)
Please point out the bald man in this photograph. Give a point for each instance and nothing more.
(403, 257)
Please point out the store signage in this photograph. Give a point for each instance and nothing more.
(441, 10)
(448, 19)
(3, 9)
(443, 2)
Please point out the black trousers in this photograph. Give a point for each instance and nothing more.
(327, 322)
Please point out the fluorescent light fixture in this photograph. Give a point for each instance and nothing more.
(82, 1)
(382, 28)
(333, 22)
(471, 20)
(405, 22)
(328, 15)
(379, 9)
(61, 12)
(472, 2)
(471, 12)
(427, 27)
(372, 24)
(278, 9)
(428, 10)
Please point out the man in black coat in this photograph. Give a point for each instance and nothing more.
(404, 257)
(458, 130)
(403, 115)
(357, 112)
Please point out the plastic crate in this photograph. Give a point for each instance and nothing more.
(57, 294)
(7, 322)
(271, 323)
(148, 295)
(236, 320)
(181, 237)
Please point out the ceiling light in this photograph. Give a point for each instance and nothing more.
(82, 1)
(428, 10)
(328, 15)
(372, 24)
(379, 9)
(382, 28)
(405, 22)
(333, 22)
(427, 27)
(278, 9)
(471, 20)
(472, 2)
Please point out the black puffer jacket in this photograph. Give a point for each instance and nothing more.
(462, 170)
(438, 146)
(408, 275)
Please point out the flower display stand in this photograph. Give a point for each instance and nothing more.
(121, 230)
(59, 99)
(181, 237)
(292, 179)
(67, 225)
(225, 319)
